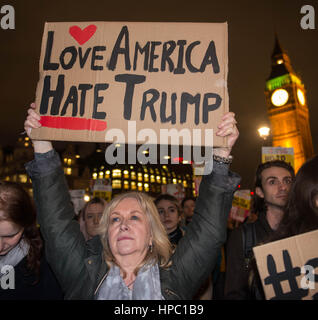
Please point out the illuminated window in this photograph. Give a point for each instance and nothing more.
(146, 177)
(139, 186)
(280, 61)
(179, 181)
(116, 173)
(101, 174)
(126, 184)
(152, 178)
(146, 186)
(133, 185)
(116, 184)
(174, 181)
(23, 178)
(139, 176)
(69, 162)
(164, 180)
(95, 175)
(65, 160)
(133, 175)
(185, 183)
(107, 174)
(26, 138)
(126, 174)
(7, 178)
(26, 144)
(158, 179)
(68, 171)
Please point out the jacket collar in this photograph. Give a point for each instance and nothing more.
(264, 223)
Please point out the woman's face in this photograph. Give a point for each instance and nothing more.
(93, 214)
(169, 215)
(129, 233)
(10, 235)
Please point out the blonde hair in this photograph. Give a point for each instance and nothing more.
(161, 250)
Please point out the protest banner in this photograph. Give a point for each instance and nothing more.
(240, 205)
(176, 190)
(101, 81)
(77, 197)
(278, 153)
(102, 188)
(289, 268)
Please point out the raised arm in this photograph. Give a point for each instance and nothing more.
(198, 250)
(64, 242)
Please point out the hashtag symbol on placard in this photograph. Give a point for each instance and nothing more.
(275, 278)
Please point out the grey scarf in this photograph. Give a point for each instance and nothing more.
(146, 287)
(15, 255)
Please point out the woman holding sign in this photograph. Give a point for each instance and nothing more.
(132, 257)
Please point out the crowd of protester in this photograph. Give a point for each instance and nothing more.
(160, 248)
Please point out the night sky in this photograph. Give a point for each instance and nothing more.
(252, 26)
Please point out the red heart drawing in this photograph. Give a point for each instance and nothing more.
(81, 36)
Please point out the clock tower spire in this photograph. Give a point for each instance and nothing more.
(287, 107)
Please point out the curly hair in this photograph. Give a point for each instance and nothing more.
(18, 208)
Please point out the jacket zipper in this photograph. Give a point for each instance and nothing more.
(170, 292)
(100, 283)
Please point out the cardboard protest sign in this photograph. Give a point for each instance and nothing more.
(102, 188)
(278, 153)
(241, 205)
(289, 267)
(77, 197)
(176, 190)
(131, 77)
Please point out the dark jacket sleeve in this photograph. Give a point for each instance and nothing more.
(236, 278)
(198, 251)
(55, 216)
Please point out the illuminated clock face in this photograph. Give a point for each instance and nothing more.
(301, 97)
(279, 97)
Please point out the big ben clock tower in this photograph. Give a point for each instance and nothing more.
(287, 108)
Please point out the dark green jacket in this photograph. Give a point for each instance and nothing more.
(79, 266)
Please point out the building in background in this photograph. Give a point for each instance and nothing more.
(287, 108)
(82, 171)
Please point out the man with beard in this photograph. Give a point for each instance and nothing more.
(272, 185)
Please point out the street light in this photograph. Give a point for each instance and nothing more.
(263, 132)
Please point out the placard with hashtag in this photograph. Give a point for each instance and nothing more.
(289, 268)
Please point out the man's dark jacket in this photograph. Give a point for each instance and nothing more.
(80, 267)
(237, 274)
